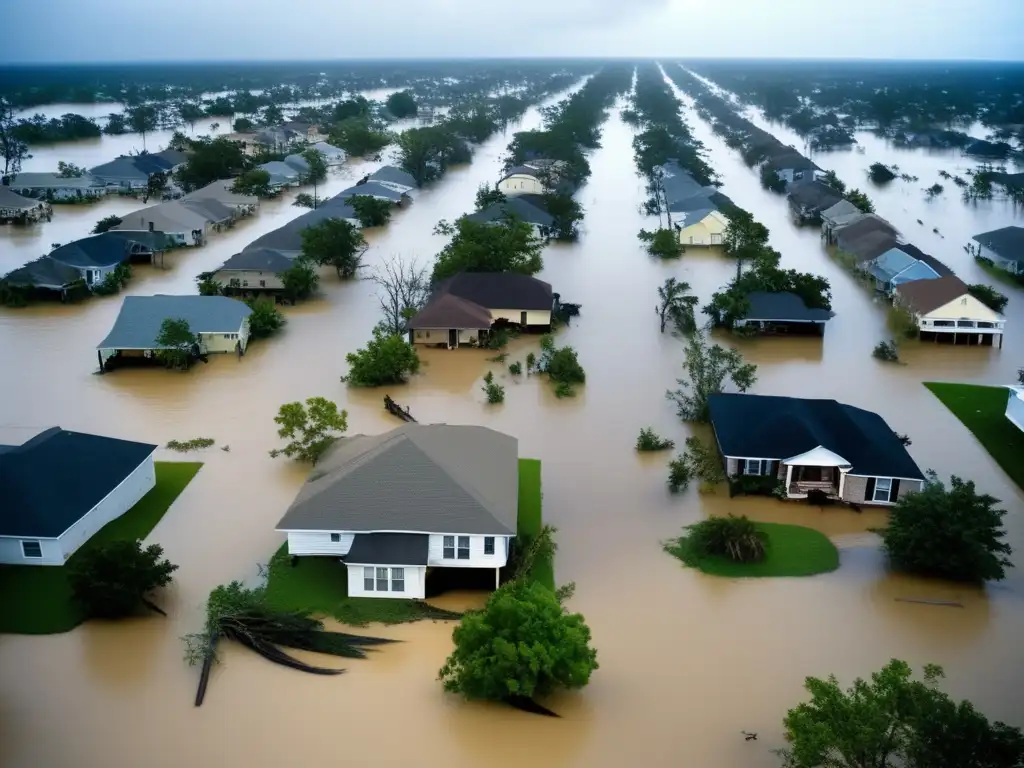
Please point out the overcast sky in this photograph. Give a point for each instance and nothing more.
(165, 30)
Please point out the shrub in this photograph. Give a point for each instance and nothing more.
(195, 444)
(988, 296)
(750, 485)
(387, 359)
(112, 581)
(736, 538)
(515, 368)
(650, 441)
(663, 243)
(495, 392)
(561, 365)
(114, 281)
(531, 361)
(310, 428)
(886, 351)
(266, 319)
(680, 473)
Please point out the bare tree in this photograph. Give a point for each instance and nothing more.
(403, 288)
(13, 149)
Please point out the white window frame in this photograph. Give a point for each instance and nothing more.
(888, 490)
(445, 548)
(368, 578)
(382, 578)
(398, 577)
(488, 545)
(335, 538)
(459, 549)
(26, 555)
(759, 463)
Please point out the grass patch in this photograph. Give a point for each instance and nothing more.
(36, 599)
(792, 550)
(531, 516)
(983, 411)
(320, 585)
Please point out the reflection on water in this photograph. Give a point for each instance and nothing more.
(686, 660)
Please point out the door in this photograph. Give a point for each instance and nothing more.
(522, 319)
(453, 338)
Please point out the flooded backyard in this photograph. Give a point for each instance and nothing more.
(687, 660)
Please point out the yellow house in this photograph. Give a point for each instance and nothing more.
(253, 270)
(945, 311)
(708, 230)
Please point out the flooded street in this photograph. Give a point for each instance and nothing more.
(687, 660)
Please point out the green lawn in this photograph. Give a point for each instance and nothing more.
(793, 550)
(36, 599)
(531, 516)
(983, 411)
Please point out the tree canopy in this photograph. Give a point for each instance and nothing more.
(425, 153)
(176, 341)
(729, 305)
(401, 104)
(309, 429)
(358, 136)
(210, 160)
(708, 368)
(255, 182)
(387, 359)
(371, 211)
(335, 242)
(506, 246)
(114, 580)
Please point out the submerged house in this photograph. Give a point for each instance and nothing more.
(791, 166)
(838, 216)
(527, 208)
(221, 324)
(896, 266)
(394, 178)
(1004, 247)
(96, 256)
(254, 270)
(22, 210)
(809, 199)
(782, 312)
(288, 238)
(944, 311)
(534, 177)
(463, 308)
(55, 188)
(61, 487)
(704, 226)
(281, 174)
(419, 497)
(333, 155)
(242, 205)
(45, 274)
(183, 224)
(820, 446)
(867, 239)
(376, 190)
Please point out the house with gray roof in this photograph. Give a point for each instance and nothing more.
(288, 237)
(332, 154)
(281, 174)
(96, 256)
(782, 312)
(421, 496)
(125, 173)
(1004, 247)
(809, 199)
(181, 223)
(46, 274)
(838, 216)
(22, 210)
(54, 188)
(299, 163)
(221, 191)
(221, 324)
(254, 270)
(526, 208)
(395, 178)
(374, 189)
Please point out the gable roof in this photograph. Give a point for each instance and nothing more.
(787, 158)
(937, 266)
(782, 306)
(52, 180)
(329, 150)
(394, 175)
(57, 477)
(498, 290)
(298, 162)
(9, 199)
(813, 194)
(94, 251)
(924, 296)
(172, 216)
(221, 191)
(43, 272)
(258, 260)
(279, 171)
(448, 311)
(372, 189)
(172, 157)
(844, 210)
(761, 426)
(1008, 242)
(121, 168)
(869, 223)
(528, 208)
(427, 478)
(212, 210)
(892, 262)
(138, 323)
(288, 237)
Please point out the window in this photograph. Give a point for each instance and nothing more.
(382, 579)
(448, 552)
(488, 545)
(335, 537)
(883, 488)
(234, 282)
(368, 579)
(427, 334)
(245, 283)
(752, 467)
(31, 549)
(263, 283)
(227, 335)
(463, 547)
(398, 579)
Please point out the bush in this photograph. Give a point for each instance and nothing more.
(650, 441)
(902, 323)
(736, 538)
(106, 223)
(387, 359)
(561, 365)
(515, 368)
(266, 319)
(880, 174)
(114, 281)
(988, 296)
(698, 460)
(531, 361)
(495, 392)
(111, 581)
(207, 286)
(563, 390)
(195, 444)
(749, 485)
(663, 243)
(886, 352)
(680, 473)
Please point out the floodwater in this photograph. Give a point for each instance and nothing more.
(687, 660)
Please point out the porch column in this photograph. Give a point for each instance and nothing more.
(842, 480)
(497, 577)
(789, 476)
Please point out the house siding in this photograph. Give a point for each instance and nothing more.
(1014, 267)
(249, 279)
(477, 558)
(440, 336)
(708, 231)
(318, 543)
(11, 553)
(216, 343)
(533, 316)
(1015, 410)
(415, 582)
(521, 184)
(855, 487)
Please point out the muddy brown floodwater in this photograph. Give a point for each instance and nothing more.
(687, 660)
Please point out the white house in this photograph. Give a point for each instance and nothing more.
(61, 487)
(1015, 406)
(50, 186)
(421, 496)
(944, 310)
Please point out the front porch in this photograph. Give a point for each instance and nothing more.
(801, 480)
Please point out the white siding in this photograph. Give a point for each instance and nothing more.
(415, 583)
(318, 543)
(521, 184)
(1015, 409)
(215, 342)
(477, 558)
(533, 316)
(11, 553)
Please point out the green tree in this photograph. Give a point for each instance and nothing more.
(357, 107)
(387, 359)
(207, 286)
(69, 170)
(179, 142)
(486, 195)
(304, 200)
(310, 429)
(175, 342)
(495, 392)
(210, 160)
(771, 180)
(663, 243)
(300, 280)
(13, 149)
(266, 319)
(371, 211)
(107, 222)
(189, 112)
(359, 137)
(523, 644)
(566, 212)
(114, 580)
(425, 153)
(834, 181)
(860, 200)
(116, 125)
(675, 303)
(507, 246)
(335, 242)
(401, 104)
(745, 239)
(950, 533)
(155, 185)
(255, 182)
(988, 296)
(272, 115)
(143, 119)
(243, 125)
(708, 367)
(317, 166)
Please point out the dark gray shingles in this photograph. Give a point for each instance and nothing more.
(258, 260)
(138, 323)
(783, 306)
(1008, 242)
(389, 549)
(394, 175)
(43, 272)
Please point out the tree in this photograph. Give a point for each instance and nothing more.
(745, 239)
(663, 243)
(175, 342)
(953, 533)
(403, 289)
(114, 580)
(880, 174)
(210, 160)
(300, 280)
(317, 166)
(831, 179)
(107, 222)
(69, 170)
(13, 148)
(255, 182)
(387, 359)
(243, 125)
(155, 185)
(566, 212)
(304, 200)
(988, 296)
(860, 200)
(335, 242)
(179, 142)
(486, 195)
(676, 304)
(143, 118)
(189, 112)
(894, 720)
(425, 153)
(401, 104)
(522, 645)
(507, 246)
(359, 137)
(116, 125)
(310, 429)
(272, 115)
(371, 211)
(708, 367)
(207, 286)
(266, 319)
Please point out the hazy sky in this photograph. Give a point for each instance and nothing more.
(129, 30)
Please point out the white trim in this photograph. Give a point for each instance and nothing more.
(889, 477)
(388, 530)
(38, 543)
(754, 458)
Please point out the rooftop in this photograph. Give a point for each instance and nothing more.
(138, 323)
